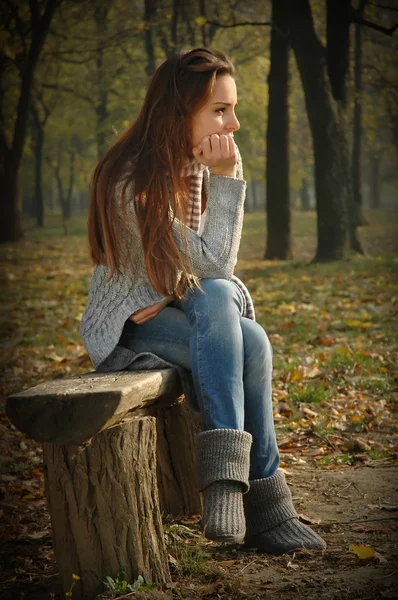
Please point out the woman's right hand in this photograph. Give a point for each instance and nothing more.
(219, 153)
(146, 314)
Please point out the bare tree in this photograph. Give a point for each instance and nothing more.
(277, 169)
(32, 35)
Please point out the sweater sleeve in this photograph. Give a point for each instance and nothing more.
(214, 253)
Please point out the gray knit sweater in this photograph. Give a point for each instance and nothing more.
(213, 255)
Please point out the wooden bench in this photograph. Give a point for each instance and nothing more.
(119, 450)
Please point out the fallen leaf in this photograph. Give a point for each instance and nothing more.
(363, 551)
(296, 375)
(387, 507)
(309, 413)
(308, 520)
(37, 473)
(37, 535)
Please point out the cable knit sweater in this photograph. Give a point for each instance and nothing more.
(213, 255)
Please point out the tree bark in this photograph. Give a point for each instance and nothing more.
(104, 508)
(329, 143)
(11, 154)
(38, 137)
(357, 134)
(375, 200)
(148, 35)
(101, 106)
(65, 198)
(277, 169)
(305, 195)
(339, 18)
(177, 427)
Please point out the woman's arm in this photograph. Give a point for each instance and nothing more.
(214, 253)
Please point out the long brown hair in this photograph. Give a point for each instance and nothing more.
(150, 156)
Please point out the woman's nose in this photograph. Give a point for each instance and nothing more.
(233, 124)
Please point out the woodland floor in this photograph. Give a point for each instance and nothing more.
(333, 328)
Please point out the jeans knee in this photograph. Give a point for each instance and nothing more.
(218, 288)
(215, 297)
(256, 343)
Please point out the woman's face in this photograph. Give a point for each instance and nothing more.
(218, 114)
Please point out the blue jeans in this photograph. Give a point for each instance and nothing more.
(230, 358)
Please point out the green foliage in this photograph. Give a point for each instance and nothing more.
(190, 560)
(175, 532)
(311, 394)
(119, 585)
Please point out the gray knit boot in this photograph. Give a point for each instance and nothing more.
(273, 525)
(223, 462)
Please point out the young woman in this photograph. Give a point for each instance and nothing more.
(165, 224)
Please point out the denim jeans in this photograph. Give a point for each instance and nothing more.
(230, 357)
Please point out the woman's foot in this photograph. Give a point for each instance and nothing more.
(273, 524)
(223, 461)
(223, 518)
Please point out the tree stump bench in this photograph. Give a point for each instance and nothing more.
(119, 450)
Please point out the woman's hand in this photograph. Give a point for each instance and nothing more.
(219, 153)
(146, 314)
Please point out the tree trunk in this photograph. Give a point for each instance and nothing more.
(68, 199)
(38, 137)
(277, 170)
(11, 154)
(357, 135)
(331, 184)
(10, 203)
(148, 33)
(375, 200)
(103, 501)
(187, 18)
(101, 107)
(177, 427)
(305, 195)
(65, 198)
(338, 22)
(338, 19)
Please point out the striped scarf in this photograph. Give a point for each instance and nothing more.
(200, 173)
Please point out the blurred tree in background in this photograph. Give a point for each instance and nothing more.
(73, 75)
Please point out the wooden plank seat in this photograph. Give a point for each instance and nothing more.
(118, 450)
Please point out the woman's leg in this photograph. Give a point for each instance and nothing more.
(257, 383)
(217, 352)
(166, 335)
(217, 359)
(231, 359)
(223, 453)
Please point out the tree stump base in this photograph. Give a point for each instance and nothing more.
(108, 479)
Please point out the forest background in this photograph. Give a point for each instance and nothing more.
(75, 73)
(318, 110)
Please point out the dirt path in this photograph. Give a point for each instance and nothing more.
(355, 506)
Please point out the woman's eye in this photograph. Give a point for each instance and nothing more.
(220, 110)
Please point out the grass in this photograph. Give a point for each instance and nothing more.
(190, 560)
(310, 394)
(332, 328)
(331, 325)
(53, 226)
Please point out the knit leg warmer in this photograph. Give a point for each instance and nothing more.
(273, 524)
(223, 462)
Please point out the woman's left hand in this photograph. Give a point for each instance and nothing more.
(146, 314)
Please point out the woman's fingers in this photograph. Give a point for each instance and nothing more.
(215, 149)
(145, 314)
(224, 145)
